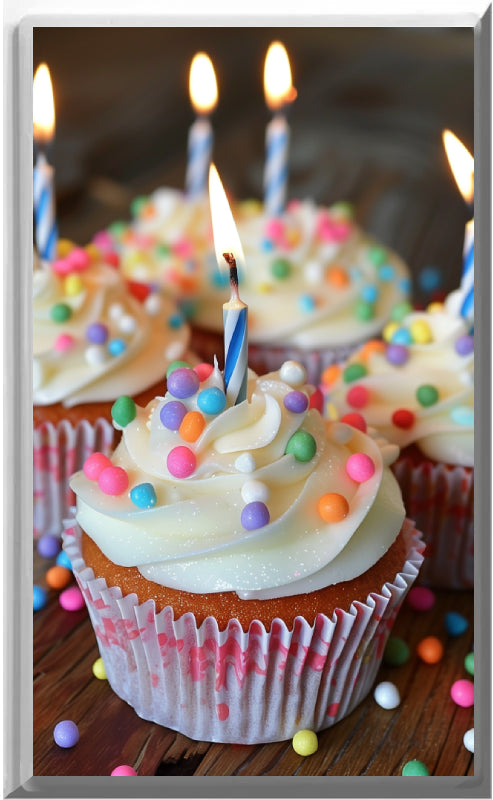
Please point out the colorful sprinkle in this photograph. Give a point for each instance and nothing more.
(255, 491)
(386, 273)
(397, 354)
(306, 303)
(337, 277)
(364, 311)
(123, 411)
(293, 373)
(116, 347)
(98, 670)
(172, 414)
(58, 577)
(430, 650)
(123, 771)
(421, 332)
(73, 285)
(402, 336)
(464, 345)
(331, 374)
(296, 401)
(64, 343)
(389, 330)
(95, 355)
(403, 418)
(40, 597)
(455, 624)
(127, 324)
(358, 396)
(245, 463)
(396, 652)
(387, 695)
(305, 742)
(420, 598)
(192, 425)
(469, 663)
(255, 515)
(333, 507)
(316, 400)
(79, 259)
(204, 370)
(211, 400)
(153, 304)
(63, 560)
(183, 382)
(66, 733)
(353, 372)
(369, 293)
(426, 395)
(94, 465)
(377, 255)
(360, 467)
(60, 312)
(181, 462)
(468, 740)
(462, 693)
(97, 333)
(429, 279)
(401, 310)
(143, 495)
(48, 545)
(462, 415)
(113, 481)
(302, 445)
(71, 599)
(280, 269)
(355, 420)
(415, 769)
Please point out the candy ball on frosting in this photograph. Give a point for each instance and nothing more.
(94, 465)
(123, 410)
(292, 373)
(143, 495)
(172, 414)
(302, 445)
(181, 462)
(333, 507)
(360, 467)
(211, 400)
(296, 401)
(255, 515)
(253, 491)
(183, 382)
(113, 480)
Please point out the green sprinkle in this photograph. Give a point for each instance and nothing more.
(137, 204)
(117, 228)
(280, 269)
(396, 652)
(415, 768)
(343, 208)
(400, 310)
(302, 445)
(377, 255)
(364, 311)
(60, 312)
(469, 663)
(426, 395)
(123, 410)
(354, 372)
(162, 250)
(177, 365)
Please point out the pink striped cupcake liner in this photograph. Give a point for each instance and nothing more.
(234, 686)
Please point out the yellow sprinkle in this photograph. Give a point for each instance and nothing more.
(389, 330)
(264, 288)
(251, 206)
(64, 247)
(93, 251)
(305, 742)
(435, 308)
(420, 331)
(73, 285)
(331, 412)
(99, 670)
(294, 238)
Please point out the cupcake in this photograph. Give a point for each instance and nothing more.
(417, 390)
(92, 340)
(242, 564)
(316, 285)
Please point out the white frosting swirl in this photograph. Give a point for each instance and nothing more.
(194, 537)
(140, 341)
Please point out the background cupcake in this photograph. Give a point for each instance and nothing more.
(282, 579)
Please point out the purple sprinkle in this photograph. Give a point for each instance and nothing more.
(183, 382)
(97, 333)
(48, 546)
(255, 515)
(66, 733)
(397, 354)
(297, 402)
(172, 414)
(464, 345)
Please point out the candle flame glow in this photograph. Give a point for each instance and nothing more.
(202, 84)
(461, 163)
(278, 87)
(43, 106)
(226, 239)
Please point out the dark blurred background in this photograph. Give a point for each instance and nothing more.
(366, 125)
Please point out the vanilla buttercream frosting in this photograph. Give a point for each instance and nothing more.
(92, 339)
(204, 496)
(415, 388)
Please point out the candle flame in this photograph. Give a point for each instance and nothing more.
(461, 163)
(278, 87)
(202, 84)
(226, 239)
(43, 106)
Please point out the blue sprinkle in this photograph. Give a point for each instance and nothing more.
(188, 308)
(462, 415)
(117, 346)
(369, 293)
(175, 321)
(211, 400)
(402, 336)
(39, 597)
(306, 303)
(430, 278)
(455, 623)
(143, 495)
(405, 285)
(386, 272)
(266, 245)
(63, 560)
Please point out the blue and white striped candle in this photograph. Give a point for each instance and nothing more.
(43, 174)
(466, 288)
(279, 92)
(203, 95)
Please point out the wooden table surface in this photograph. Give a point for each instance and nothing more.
(366, 127)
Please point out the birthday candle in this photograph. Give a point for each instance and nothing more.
(279, 92)
(43, 173)
(203, 94)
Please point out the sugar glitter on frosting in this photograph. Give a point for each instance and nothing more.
(195, 537)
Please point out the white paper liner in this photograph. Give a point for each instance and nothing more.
(232, 686)
(58, 451)
(440, 500)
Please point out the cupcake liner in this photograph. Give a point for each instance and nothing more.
(440, 500)
(231, 686)
(58, 451)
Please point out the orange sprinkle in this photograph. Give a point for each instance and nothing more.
(58, 577)
(331, 374)
(148, 211)
(333, 507)
(430, 650)
(191, 427)
(372, 346)
(93, 251)
(336, 276)
(64, 247)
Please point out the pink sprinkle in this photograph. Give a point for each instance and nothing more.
(358, 396)
(274, 229)
(181, 462)
(143, 240)
(124, 771)
(360, 467)
(61, 266)
(103, 240)
(64, 342)
(462, 693)
(71, 599)
(222, 711)
(113, 480)
(78, 259)
(183, 248)
(94, 465)
(420, 598)
(203, 371)
(293, 205)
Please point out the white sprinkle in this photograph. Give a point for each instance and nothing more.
(387, 695)
(313, 272)
(293, 373)
(174, 351)
(96, 355)
(153, 304)
(253, 491)
(115, 311)
(341, 433)
(127, 323)
(245, 463)
(469, 740)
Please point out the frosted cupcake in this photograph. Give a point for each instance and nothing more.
(417, 390)
(242, 565)
(316, 285)
(92, 339)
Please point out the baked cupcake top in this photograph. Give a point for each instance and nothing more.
(92, 339)
(313, 278)
(265, 498)
(417, 387)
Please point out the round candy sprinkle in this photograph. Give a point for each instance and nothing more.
(387, 695)
(364, 311)
(172, 414)
(60, 312)
(306, 303)
(420, 598)
(64, 343)
(336, 276)
(331, 374)
(58, 577)
(429, 279)
(302, 445)
(403, 418)
(98, 669)
(296, 401)
(430, 650)
(113, 481)
(95, 355)
(63, 560)
(464, 345)
(255, 515)
(462, 693)
(426, 395)
(316, 400)
(305, 742)
(94, 465)
(280, 268)
(79, 259)
(66, 733)
(48, 545)
(293, 373)
(469, 663)
(181, 462)
(353, 372)
(153, 304)
(71, 599)
(401, 336)
(333, 507)
(468, 740)
(39, 597)
(211, 400)
(421, 332)
(183, 382)
(396, 652)
(389, 330)
(377, 255)
(176, 365)
(192, 425)
(455, 624)
(253, 491)
(369, 293)
(400, 310)
(355, 420)
(124, 771)
(97, 333)
(415, 769)
(386, 272)
(204, 370)
(127, 323)
(143, 495)
(115, 311)
(116, 347)
(358, 396)
(360, 467)
(397, 354)
(123, 410)
(245, 463)
(341, 433)
(462, 415)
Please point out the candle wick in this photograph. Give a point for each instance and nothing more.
(233, 274)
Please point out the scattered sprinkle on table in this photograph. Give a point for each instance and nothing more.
(387, 695)
(66, 733)
(305, 742)
(414, 768)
